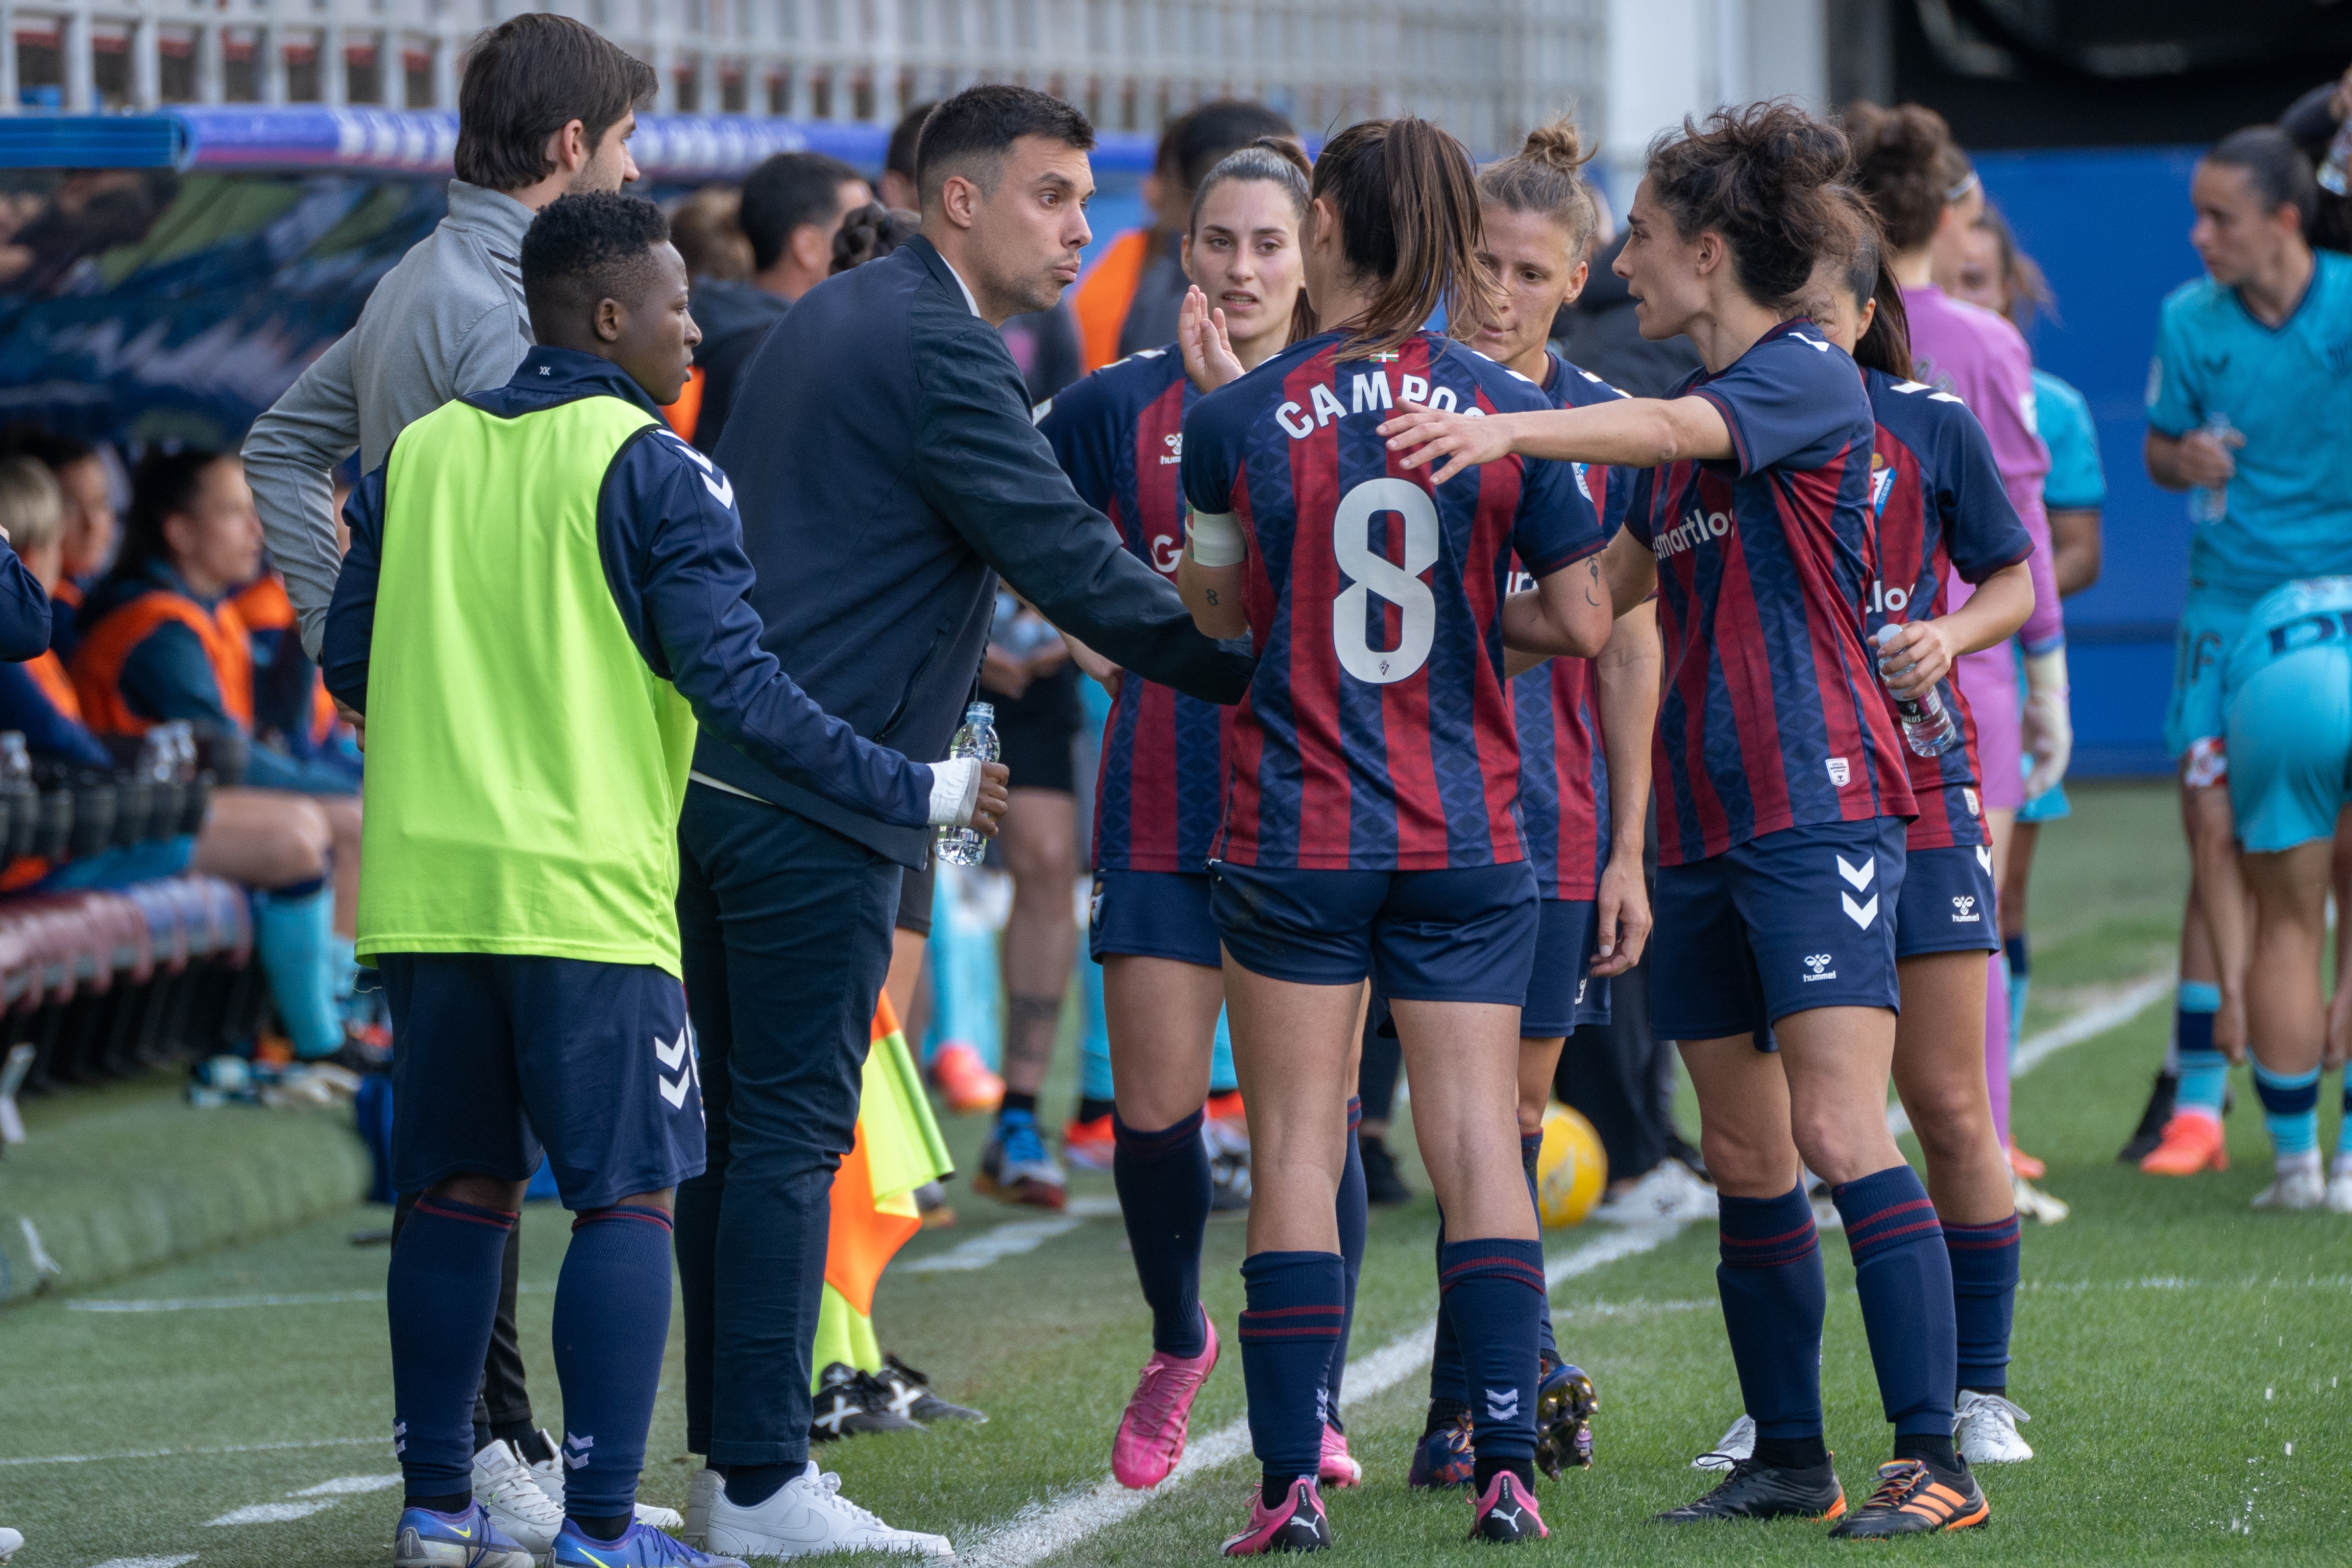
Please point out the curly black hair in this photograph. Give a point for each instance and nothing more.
(582, 248)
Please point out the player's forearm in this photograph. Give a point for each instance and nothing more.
(1213, 595)
(1631, 569)
(1634, 432)
(1626, 678)
(1993, 612)
(2075, 549)
(2162, 456)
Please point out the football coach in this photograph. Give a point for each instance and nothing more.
(888, 472)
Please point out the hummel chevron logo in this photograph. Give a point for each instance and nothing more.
(1860, 914)
(672, 1056)
(1859, 876)
(1984, 859)
(576, 1455)
(716, 483)
(1503, 1404)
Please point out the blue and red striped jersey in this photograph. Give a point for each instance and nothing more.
(1119, 434)
(1773, 715)
(1938, 507)
(1376, 733)
(1563, 771)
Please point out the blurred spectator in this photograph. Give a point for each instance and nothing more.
(1129, 298)
(871, 233)
(791, 208)
(48, 234)
(161, 641)
(2312, 122)
(86, 544)
(707, 230)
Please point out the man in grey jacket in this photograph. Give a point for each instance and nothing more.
(546, 109)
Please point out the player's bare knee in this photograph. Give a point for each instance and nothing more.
(481, 1191)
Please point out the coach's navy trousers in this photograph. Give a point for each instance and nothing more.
(787, 931)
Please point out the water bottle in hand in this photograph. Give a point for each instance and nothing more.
(1928, 727)
(2211, 503)
(965, 846)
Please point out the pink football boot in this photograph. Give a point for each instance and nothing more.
(1339, 1467)
(1295, 1524)
(1152, 1433)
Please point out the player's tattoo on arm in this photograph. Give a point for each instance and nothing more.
(1593, 593)
(1211, 593)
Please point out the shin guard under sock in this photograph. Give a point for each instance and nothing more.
(1354, 1214)
(1163, 1196)
(1530, 1147)
(2204, 1071)
(1297, 1302)
(2290, 1111)
(1774, 1298)
(1984, 1263)
(1905, 1280)
(441, 1292)
(1492, 1288)
(612, 1321)
(293, 932)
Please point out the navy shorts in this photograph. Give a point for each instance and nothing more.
(1152, 914)
(500, 1059)
(1562, 997)
(1466, 934)
(1799, 918)
(1948, 903)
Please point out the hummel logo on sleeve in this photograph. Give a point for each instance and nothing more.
(716, 483)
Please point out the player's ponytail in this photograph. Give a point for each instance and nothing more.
(1759, 176)
(1909, 167)
(1406, 196)
(1546, 177)
(1866, 272)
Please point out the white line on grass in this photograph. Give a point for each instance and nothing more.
(271, 1512)
(1040, 1532)
(148, 1562)
(1010, 1239)
(343, 1486)
(182, 1453)
(2088, 1024)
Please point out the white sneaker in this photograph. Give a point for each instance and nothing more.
(809, 1515)
(1984, 1428)
(10, 1541)
(2032, 1201)
(549, 1474)
(1737, 1444)
(1669, 1195)
(2297, 1185)
(2340, 1191)
(509, 1490)
(705, 1485)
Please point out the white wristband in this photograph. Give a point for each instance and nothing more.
(1215, 539)
(955, 791)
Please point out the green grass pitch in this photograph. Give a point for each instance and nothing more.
(2186, 1360)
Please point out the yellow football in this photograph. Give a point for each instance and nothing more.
(1571, 1169)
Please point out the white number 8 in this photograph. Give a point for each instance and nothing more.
(1372, 572)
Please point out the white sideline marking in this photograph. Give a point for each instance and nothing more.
(1039, 1533)
(148, 1562)
(270, 1512)
(343, 1486)
(204, 1303)
(181, 1453)
(1010, 1239)
(2091, 1022)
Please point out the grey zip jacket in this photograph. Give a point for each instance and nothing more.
(446, 320)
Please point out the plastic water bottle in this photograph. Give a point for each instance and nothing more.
(15, 761)
(2335, 169)
(965, 846)
(1928, 727)
(2211, 503)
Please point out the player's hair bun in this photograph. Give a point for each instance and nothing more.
(1759, 176)
(1907, 163)
(1557, 145)
(1548, 177)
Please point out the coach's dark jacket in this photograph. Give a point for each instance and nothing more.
(887, 469)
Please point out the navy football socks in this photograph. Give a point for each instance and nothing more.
(1530, 1146)
(1770, 1280)
(1905, 1278)
(1984, 1262)
(441, 1293)
(612, 1321)
(1163, 1196)
(1354, 1214)
(1297, 1302)
(1492, 1287)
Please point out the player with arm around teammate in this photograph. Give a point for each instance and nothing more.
(1370, 785)
(1782, 793)
(528, 752)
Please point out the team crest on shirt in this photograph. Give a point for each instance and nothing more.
(1969, 796)
(1881, 484)
(1964, 911)
(1817, 967)
(1840, 773)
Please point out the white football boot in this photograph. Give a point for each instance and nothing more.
(808, 1515)
(1737, 1444)
(509, 1492)
(1984, 1429)
(2297, 1185)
